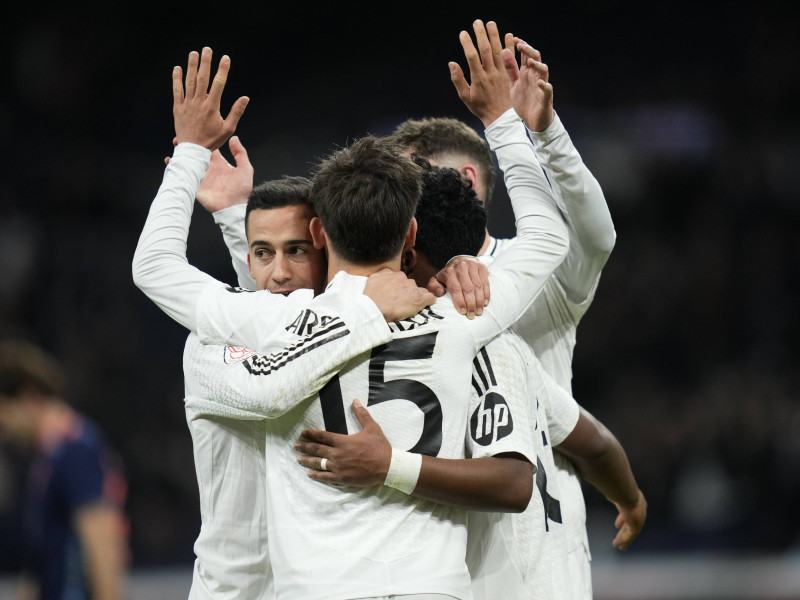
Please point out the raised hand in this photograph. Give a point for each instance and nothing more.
(225, 184)
(196, 109)
(487, 95)
(531, 92)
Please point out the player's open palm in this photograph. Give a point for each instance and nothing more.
(196, 108)
(224, 184)
(531, 92)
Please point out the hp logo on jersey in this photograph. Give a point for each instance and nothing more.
(491, 421)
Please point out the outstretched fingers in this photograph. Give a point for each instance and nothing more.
(510, 63)
(237, 110)
(495, 44)
(204, 72)
(459, 81)
(191, 73)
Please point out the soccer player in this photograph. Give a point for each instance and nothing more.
(510, 555)
(549, 326)
(74, 530)
(541, 243)
(232, 559)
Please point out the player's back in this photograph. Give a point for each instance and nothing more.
(524, 555)
(342, 542)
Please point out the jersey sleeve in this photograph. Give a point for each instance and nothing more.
(231, 224)
(561, 410)
(591, 229)
(304, 348)
(499, 420)
(160, 267)
(518, 274)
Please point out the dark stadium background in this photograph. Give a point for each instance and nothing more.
(687, 113)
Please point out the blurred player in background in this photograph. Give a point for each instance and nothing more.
(74, 528)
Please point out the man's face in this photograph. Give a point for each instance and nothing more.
(282, 257)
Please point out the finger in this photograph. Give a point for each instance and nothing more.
(166, 160)
(191, 74)
(449, 279)
(458, 79)
(313, 462)
(512, 70)
(237, 110)
(204, 72)
(312, 449)
(319, 436)
(528, 51)
(483, 272)
(510, 41)
(362, 414)
(323, 476)
(239, 153)
(477, 284)
(471, 54)
(624, 538)
(177, 86)
(175, 141)
(484, 47)
(434, 287)
(467, 290)
(495, 44)
(220, 79)
(541, 69)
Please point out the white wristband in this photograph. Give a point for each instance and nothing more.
(403, 471)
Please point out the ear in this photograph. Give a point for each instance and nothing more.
(470, 173)
(408, 260)
(411, 235)
(249, 266)
(317, 233)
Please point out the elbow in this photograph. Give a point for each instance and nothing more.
(518, 486)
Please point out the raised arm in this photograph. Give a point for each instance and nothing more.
(592, 234)
(223, 192)
(518, 274)
(160, 268)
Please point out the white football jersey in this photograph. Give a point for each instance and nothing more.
(523, 555)
(340, 542)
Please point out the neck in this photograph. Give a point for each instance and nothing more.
(336, 264)
(485, 246)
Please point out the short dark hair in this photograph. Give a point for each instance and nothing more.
(365, 195)
(277, 193)
(440, 138)
(24, 366)
(451, 220)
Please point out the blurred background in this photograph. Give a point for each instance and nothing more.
(687, 114)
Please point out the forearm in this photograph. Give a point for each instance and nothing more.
(592, 234)
(231, 223)
(498, 484)
(602, 461)
(104, 551)
(542, 237)
(160, 268)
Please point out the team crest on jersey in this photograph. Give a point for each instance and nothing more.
(307, 322)
(423, 317)
(236, 290)
(491, 421)
(236, 354)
